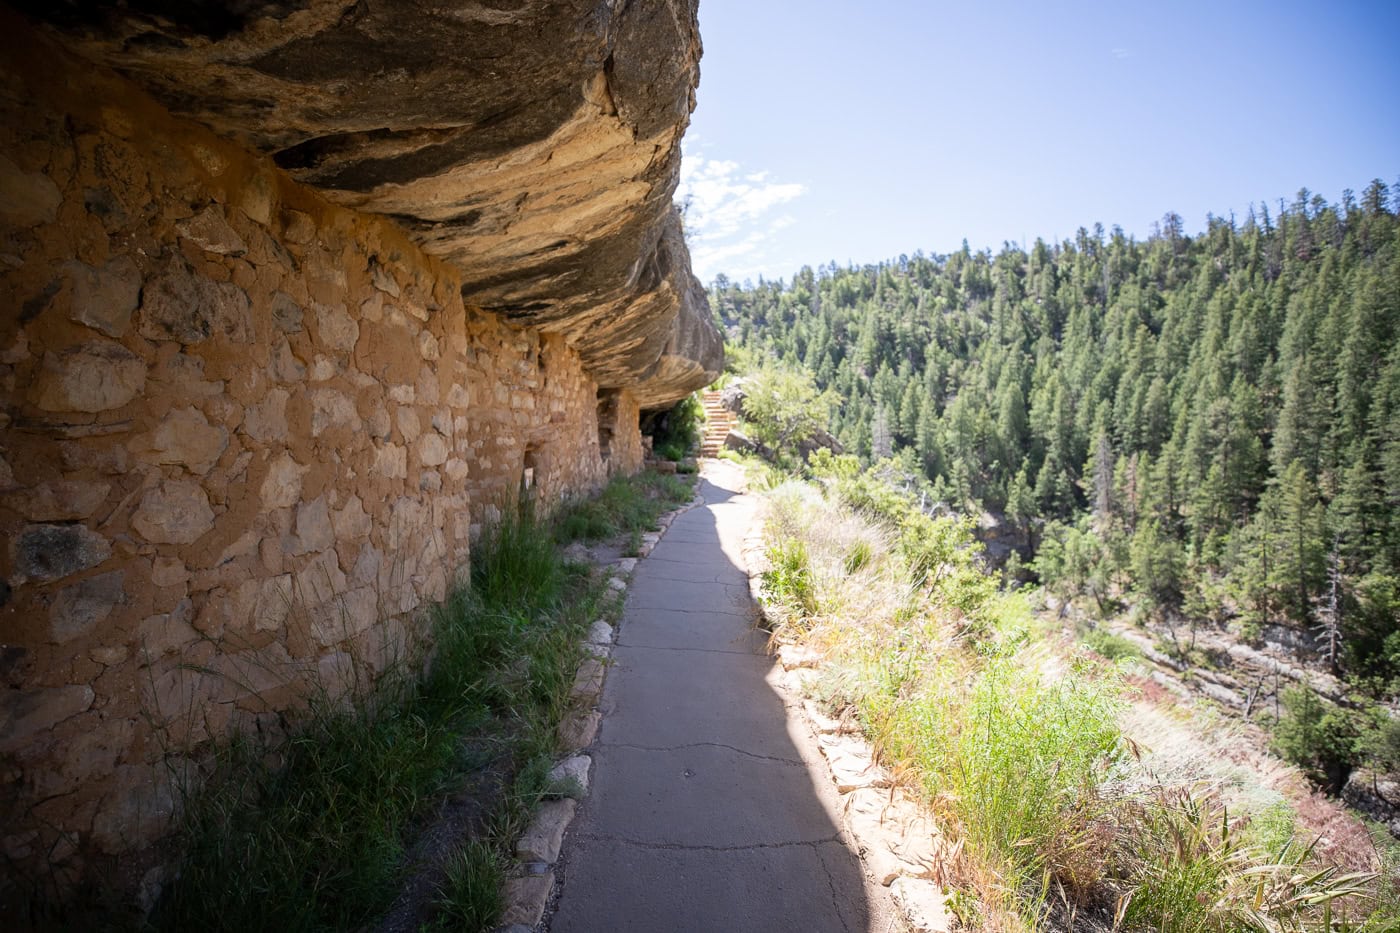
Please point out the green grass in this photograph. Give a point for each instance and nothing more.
(318, 841)
(627, 505)
(471, 896)
(1020, 753)
(1110, 646)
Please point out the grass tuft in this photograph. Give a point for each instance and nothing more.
(627, 505)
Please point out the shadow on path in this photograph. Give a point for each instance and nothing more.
(711, 809)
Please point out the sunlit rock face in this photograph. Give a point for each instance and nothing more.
(534, 145)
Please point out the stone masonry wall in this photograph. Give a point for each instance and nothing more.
(245, 437)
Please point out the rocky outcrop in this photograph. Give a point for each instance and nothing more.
(535, 147)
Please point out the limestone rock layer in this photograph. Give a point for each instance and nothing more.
(534, 145)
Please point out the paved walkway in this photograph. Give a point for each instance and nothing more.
(711, 808)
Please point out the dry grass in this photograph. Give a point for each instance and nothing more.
(1070, 803)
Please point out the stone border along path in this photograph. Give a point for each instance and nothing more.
(721, 799)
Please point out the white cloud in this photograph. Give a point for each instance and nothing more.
(727, 213)
(1122, 53)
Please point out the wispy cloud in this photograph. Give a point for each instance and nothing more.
(1122, 53)
(728, 214)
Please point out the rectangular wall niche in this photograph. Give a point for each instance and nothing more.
(607, 421)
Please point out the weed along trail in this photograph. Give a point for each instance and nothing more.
(710, 807)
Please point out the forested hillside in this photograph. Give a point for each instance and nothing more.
(1203, 423)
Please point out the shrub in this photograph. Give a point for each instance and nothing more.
(1317, 736)
(1111, 646)
(676, 432)
(789, 582)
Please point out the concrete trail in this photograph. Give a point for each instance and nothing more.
(711, 807)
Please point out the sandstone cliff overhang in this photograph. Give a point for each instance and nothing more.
(534, 145)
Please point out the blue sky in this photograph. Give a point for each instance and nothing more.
(856, 131)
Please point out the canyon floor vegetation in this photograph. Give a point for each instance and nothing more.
(1067, 800)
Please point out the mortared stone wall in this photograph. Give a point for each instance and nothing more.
(246, 437)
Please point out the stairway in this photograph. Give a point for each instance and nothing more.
(719, 421)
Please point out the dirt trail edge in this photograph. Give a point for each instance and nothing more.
(710, 807)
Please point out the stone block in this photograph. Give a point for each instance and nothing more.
(51, 552)
(104, 298)
(287, 315)
(281, 487)
(569, 778)
(185, 437)
(91, 377)
(174, 512)
(23, 713)
(136, 810)
(792, 657)
(58, 500)
(432, 449)
(526, 898)
(588, 682)
(541, 841)
(314, 529)
(168, 632)
(336, 329)
(331, 408)
(600, 633)
(852, 763)
(210, 231)
(27, 199)
(579, 729)
(79, 607)
(178, 305)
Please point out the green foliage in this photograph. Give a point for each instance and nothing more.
(788, 580)
(1029, 757)
(317, 842)
(471, 895)
(859, 557)
(627, 504)
(1317, 736)
(1197, 873)
(1023, 760)
(1219, 410)
(677, 432)
(1111, 646)
(783, 408)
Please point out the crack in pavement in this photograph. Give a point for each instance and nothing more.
(835, 898)
(712, 582)
(679, 847)
(631, 607)
(792, 762)
(742, 654)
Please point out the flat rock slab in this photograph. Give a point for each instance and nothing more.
(852, 763)
(588, 682)
(541, 841)
(577, 731)
(897, 837)
(570, 776)
(923, 905)
(526, 898)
